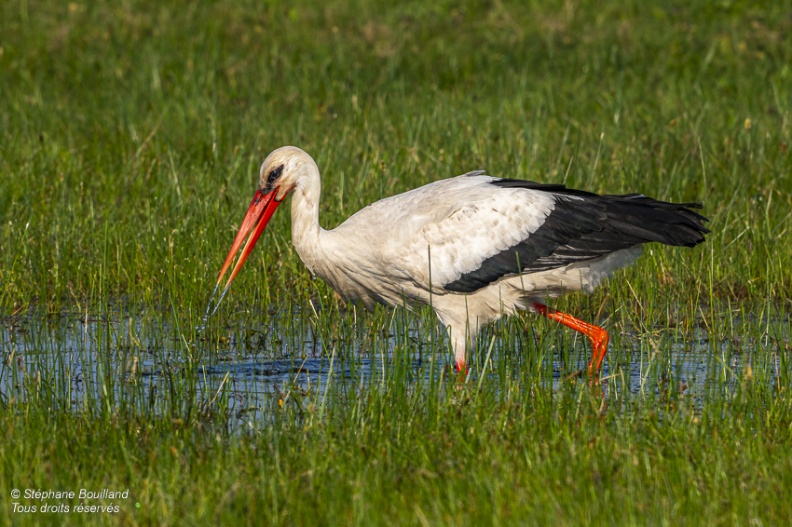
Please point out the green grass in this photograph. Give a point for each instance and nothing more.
(131, 138)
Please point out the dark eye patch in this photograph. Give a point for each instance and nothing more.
(273, 176)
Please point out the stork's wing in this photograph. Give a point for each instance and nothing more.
(504, 227)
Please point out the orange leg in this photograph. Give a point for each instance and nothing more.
(597, 335)
(461, 367)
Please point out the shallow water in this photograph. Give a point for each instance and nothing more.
(79, 361)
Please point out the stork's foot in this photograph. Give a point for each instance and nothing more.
(599, 341)
(594, 381)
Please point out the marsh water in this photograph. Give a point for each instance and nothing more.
(79, 361)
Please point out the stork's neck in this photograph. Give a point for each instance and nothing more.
(306, 231)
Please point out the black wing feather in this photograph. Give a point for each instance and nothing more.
(584, 226)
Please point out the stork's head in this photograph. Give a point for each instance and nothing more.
(284, 170)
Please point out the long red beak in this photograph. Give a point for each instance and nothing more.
(258, 215)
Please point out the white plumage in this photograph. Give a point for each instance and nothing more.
(481, 247)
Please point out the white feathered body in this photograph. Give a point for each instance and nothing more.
(405, 249)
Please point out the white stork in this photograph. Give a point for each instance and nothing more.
(473, 247)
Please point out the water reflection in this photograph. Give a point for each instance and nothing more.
(78, 361)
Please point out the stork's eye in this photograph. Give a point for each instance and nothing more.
(273, 176)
